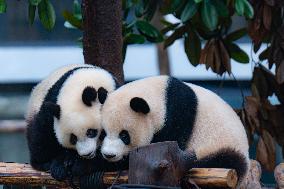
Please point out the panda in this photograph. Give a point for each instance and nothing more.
(63, 117)
(162, 108)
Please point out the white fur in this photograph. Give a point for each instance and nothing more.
(86, 147)
(117, 114)
(75, 117)
(217, 125)
(114, 147)
(40, 90)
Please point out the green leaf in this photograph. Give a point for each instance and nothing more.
(77, 10)
(189, 11)
(132, 38)
(68, 25)
(34, 2)
(126, 28)
(139, 10)
(209, 15)
(197, 1)
(149, 31)
(46, 14)
(165, 22)
(126, 4)
(236, 34)
(72, 19)
(249, 12)
(221, 8)
(240, 7)
(237, 53)
(3, 6)
(32, 10)
(170, 6)
(150, 9)
(178, 33)
(192, 47)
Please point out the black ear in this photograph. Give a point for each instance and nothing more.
(139, 105)
(102, 94)
(53, 108)
(89, 95)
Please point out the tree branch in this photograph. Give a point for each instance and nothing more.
(24, 174)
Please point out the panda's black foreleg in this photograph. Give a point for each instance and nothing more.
(42, 142)
(57, 169)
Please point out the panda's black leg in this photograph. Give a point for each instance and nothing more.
(83, 167)
(42, 143)
(57, 169)
(41, 166)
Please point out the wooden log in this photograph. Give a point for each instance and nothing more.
(253, 178)
(166, 165)
(219, 178)
(24, 174)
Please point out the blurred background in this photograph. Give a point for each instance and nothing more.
(30, 53)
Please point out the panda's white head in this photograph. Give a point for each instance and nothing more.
(79, 128)
(126, 125)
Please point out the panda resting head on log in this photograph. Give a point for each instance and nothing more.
(162, 108)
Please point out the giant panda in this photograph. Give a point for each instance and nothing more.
(63, 116)
(163, 108)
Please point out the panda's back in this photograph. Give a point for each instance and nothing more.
(40, 90)
(216, 126)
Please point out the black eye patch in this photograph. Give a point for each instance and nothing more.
(89, 95)
(125, 137)
(102, 135)
(102, 94)
(73, 139)
(92, 133)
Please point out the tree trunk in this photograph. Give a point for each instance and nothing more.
(102, 35)
(163, 57)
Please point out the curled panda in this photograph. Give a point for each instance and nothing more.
(63, 117)
(162, 108)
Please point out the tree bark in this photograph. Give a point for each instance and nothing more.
(102, 35)
(163, 57)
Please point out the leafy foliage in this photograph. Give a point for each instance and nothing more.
(3, 6)
(46, 13)
(259, 115)
(200, 21)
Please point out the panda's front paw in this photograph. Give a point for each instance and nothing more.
(81, 167)
(58, 171)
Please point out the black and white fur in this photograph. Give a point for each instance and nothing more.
(63, 116)
(163, 108)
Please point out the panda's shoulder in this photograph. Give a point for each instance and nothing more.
(41, 90)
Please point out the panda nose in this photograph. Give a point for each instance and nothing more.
(109, 156)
